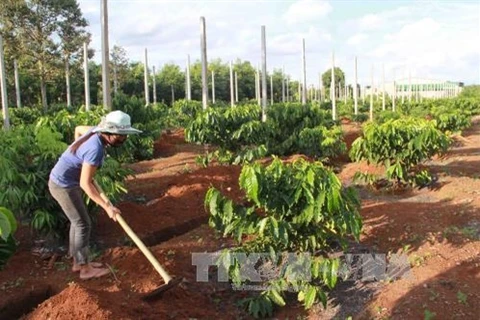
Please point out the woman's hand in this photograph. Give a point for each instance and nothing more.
(112, 212)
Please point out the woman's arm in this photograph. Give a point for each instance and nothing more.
(86, 183)
(81, 130)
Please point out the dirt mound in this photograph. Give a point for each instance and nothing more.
(75, 302)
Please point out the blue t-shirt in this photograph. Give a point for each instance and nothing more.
(66, 172)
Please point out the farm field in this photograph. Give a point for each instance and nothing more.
(303, 159)
(437, 227)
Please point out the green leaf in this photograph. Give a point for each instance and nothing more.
(313, 242)
(249, 182)
(239, 231)
(316, 264)
(274, 228)
(320, 200)
(311, 177)
(229, 228)
(228, 210)
(262, 225)
(284, 233)
(5, 227)
(301, 296)
(254, 308)
(213, 202)
(323, 297)
(10, 217)
(276, 297)
(333, 273)
(308, 213)
(310, 296)
(273, 254)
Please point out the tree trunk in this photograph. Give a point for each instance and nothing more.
(43, 88)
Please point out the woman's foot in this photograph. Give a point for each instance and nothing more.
(77, 267)
(89, 272)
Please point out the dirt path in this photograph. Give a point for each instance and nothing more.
(438, 229)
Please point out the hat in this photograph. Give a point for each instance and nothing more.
(116, 122)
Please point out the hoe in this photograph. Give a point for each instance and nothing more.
(169, 281)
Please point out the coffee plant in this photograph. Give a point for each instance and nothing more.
(400, 145)
(297, 207)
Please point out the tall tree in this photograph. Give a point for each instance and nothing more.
(9, 20)
(95, 72)
(277, 85)
(222, 79)
(119, 66)
(134, 85)
(246, 79)
(170, 76)
(196, 80)
(72, 33)
(339, 79)
(38, 25)
(294, 91)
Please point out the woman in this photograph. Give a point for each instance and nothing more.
(73, 174)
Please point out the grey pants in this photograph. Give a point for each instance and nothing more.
(71, 201)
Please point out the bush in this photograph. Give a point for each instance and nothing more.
(321, 143)
(399, 145)
(299, 207)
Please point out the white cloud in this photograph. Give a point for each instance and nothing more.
(371, 21)
(307, 10)
(384, 20)
(428, 45)
(291, 43)
(417, 36)
(357, 39)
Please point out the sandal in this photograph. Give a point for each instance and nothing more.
(94, 273)
(77, 268)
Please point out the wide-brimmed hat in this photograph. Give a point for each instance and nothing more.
(116, 122)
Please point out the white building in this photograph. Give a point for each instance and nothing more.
(418, 88)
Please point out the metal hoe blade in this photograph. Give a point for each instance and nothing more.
(157, 293)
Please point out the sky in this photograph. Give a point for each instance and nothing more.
(438, 40)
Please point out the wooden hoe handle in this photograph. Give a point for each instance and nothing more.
(166, 277)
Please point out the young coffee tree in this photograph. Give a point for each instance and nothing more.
(297, 209)
(400, 145)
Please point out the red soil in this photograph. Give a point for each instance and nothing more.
(165, 208)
